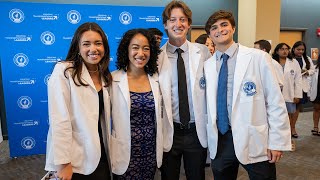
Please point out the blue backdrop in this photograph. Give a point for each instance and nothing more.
(34, 36)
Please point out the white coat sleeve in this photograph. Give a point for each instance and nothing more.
(312, 67)
(297, 80)
(59, 115)
(277, 116)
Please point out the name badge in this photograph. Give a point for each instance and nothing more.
(250, 88)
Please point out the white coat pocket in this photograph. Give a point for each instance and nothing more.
(120, 155)
(77, 151)
(258, 141)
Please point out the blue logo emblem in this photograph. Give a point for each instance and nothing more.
(202, 82)
(28, 143)
(16, 15)
(47, 38)
(24, 102)
(46, 79)
(74, 17)
(21, 60)
(125, 18)
(292, 72)
(250, 88)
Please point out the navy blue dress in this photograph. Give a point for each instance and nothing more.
(143, 162)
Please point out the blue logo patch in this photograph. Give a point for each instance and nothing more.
(202, 82)
(292, 72)
(250, 88)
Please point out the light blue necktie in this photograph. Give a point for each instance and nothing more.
(222, 110)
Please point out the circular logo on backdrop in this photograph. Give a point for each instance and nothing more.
(24, 102)
(28, 143)
(46, 79)
(74, 17)
(16, 15)
(20, 59)
(47, 38)
(125, 18)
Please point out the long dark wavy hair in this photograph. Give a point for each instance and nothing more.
(306, 60)
(275, 55)
(123, 51)
(77, 61)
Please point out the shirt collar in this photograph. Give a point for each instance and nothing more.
(172, 49)
(230, 51)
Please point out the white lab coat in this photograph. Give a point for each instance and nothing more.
(258, 121)
(73, 114)
(278, 72)
(307, 79)
(292, 87)
(314, 85)
(121, 128)
(198, 53)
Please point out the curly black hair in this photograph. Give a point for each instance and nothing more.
(122, 52)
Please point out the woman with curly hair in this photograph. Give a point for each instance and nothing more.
(136, 139)
(79, 108)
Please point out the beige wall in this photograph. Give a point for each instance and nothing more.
(259, 19)
(246, 22)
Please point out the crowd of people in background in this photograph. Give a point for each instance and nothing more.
(211, 102)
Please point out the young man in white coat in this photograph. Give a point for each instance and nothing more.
(247, 117)
(182, 84)
(265, 46)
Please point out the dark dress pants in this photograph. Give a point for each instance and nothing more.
(102, 172)
(225, 165)
(185, 144)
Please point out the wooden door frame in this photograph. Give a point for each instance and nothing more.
(296, 29)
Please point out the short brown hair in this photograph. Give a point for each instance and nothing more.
(176, 4)
(221, 14)
(264, 44)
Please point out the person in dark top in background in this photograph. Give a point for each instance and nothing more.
(157, 34)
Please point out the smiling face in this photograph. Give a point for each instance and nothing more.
(177, 27)
(210, 45)
(91, 49)
(138, 52)
(221, 33)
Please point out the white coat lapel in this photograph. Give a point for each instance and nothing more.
(194, 59)
(165, 75)
(212, 76)
(86, 76)
(287, 66)
(122, 79)
(243, 60)
(154, 82)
